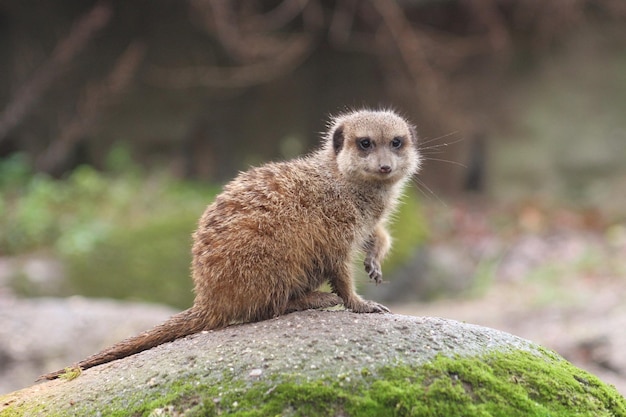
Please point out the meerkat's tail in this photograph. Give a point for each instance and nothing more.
(180, 325)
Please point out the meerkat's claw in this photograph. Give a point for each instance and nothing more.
(374, 270)
(367, 306)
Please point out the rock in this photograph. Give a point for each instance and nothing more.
(41, 334)
(331, 364)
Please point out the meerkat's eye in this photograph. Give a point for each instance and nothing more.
(396, 142)
(365, 143)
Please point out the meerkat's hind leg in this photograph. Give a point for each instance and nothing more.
(312, 300)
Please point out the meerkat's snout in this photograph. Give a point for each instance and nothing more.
(384, 166)
(384, 169)
(384, 161)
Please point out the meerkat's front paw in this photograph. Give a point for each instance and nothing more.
(366, 306)
(373, 269)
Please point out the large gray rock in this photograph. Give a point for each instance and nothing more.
(48, 333)
(332, 364)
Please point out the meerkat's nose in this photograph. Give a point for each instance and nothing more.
(385, 169)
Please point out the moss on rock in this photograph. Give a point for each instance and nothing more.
(505, 376)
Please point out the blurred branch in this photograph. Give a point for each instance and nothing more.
(342, 21)
(341, 29)
(487, 14)
(245, 45)
(280, 16)
(92, 105)
(252, 41)
(294, 53)
(616, 7)
(550, 22)
(28, 94)
(412, 52)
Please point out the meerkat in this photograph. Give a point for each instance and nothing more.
(279, 231)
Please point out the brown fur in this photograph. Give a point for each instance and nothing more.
(279, 231)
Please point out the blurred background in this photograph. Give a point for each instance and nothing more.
(120, 121)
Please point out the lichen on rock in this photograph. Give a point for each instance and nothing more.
(320, 363)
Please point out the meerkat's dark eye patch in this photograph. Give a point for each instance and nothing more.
(364, 143)
(397, 142)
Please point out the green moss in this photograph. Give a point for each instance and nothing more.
(501, 384)
(71, 373)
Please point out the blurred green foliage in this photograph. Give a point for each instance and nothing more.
(146, 262)
(120, 233)
(408, 229)
(125, 233)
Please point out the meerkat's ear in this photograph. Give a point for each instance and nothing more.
(338, 139)
(413, 134)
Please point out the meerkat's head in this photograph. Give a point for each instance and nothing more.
(373, 146)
